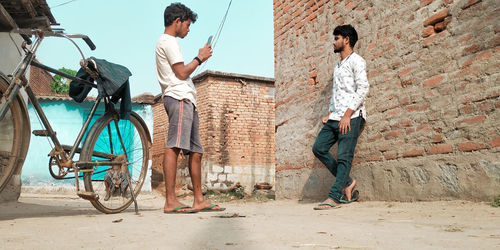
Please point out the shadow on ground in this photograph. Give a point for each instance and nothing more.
(37, 208)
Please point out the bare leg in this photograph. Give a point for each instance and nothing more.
(195, 172)
(169, 173)
(348, 189)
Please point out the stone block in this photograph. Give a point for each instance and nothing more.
(217, 169)
(211, 177)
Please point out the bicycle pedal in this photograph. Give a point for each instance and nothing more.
(87, 195)
(41, 132)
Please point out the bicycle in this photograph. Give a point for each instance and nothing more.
(110, 144)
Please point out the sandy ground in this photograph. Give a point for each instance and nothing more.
(40, 221)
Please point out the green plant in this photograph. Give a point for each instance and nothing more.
(60, 85)
(238, 193)
(496, 201)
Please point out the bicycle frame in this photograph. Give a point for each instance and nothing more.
(19, 81)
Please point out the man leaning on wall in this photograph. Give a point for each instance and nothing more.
(346, 117)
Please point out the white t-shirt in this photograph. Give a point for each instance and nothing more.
(168, 53)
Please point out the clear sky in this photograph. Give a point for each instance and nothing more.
(125, 32)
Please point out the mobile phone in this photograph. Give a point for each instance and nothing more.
(210, 40)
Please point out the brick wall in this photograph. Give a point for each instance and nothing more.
(237, 131)
(40, 82)
(432, 129)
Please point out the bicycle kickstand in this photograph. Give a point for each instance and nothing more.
(132, 192)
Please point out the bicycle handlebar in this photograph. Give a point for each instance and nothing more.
(89, 42)
(27, 39)
(27, 33)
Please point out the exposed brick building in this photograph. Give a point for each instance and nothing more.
(237, 131)
(433, 108)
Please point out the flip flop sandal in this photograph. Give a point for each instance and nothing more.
(354, 197)
(212, 209)
(178, 210)
(332, 206)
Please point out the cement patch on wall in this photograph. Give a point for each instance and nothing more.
(419, 179)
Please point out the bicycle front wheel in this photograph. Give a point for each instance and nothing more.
(103, 144)
(14, 137)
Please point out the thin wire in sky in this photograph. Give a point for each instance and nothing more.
(62, 4)
(216, 37)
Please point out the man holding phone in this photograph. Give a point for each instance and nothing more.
(179, 100)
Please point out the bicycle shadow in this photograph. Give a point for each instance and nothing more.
(37, 209)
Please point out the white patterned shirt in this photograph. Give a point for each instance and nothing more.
(350, 86)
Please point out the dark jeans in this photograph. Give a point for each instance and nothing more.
(341, 167)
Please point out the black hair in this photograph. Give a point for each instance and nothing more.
(347, 31)
(178, 10)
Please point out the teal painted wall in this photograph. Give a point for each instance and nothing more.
(66, 118)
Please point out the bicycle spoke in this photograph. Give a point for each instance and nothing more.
(126, 138)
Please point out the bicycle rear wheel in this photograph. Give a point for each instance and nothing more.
(103, 138)
(14, 138)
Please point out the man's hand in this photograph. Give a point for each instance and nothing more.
(345, 125)
(345, 122)
(205, 52)
(324, 119)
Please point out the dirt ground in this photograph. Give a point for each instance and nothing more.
(41, 221)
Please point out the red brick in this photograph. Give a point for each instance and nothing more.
(367, 14)
(313, 74)
(468, 62)
(483, 55)
(417, 107)
(472, 49)
(376, 137)
(384, 148)
(310, 17)
(469, 4)
(429, 30)
(394, 112)
(394, 134)
(390, 155)
(432, 82)
(414, 152)
(494, 42)
(495, 142)
(405, 71)
(430, 39)
(321, 9)
(410, 130)
(423, 127)
(437, 138)
(375, 157)
(406, 123)
(440, 149)
(485, 106)
(426, 2)
(438, 17)
(404, 100)
(471, 146)
(350, 6)
(438, 27)
(472, 120)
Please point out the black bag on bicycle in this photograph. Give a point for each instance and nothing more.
(112, 80)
